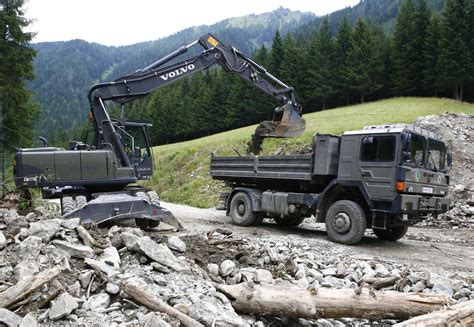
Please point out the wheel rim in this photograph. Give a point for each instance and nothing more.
(241, 208)
(342, 222)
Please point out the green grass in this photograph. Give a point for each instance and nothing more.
(182, 169)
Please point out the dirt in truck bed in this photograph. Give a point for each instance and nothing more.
(254, 146)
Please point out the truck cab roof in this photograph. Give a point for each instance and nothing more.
(392, 129)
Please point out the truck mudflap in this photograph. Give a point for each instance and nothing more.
(407, 203)
(117, 206)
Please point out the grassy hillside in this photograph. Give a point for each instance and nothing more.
(182, 169)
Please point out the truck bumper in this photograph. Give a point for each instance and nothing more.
(415, 204)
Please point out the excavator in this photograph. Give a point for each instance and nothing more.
(96, 180)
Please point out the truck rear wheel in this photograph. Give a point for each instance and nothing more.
(345, 222)
(289, 221)
(392, 233)
(241, 210)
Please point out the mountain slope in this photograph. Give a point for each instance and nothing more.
(182, 169)
(382, 12)
(66, 70)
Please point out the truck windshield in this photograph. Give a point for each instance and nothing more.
(436, 155)
(417, 149)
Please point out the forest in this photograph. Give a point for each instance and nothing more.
(376, 49)
(428, 54)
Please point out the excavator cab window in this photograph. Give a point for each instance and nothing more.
(139, 147)
(136, 144)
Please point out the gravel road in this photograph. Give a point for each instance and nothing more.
(443, 251)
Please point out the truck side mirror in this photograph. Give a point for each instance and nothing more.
(450, 158)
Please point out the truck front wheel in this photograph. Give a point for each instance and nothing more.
(345, 222)
(241, 210)
(392, 233)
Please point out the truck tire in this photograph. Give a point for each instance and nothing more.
(392, 233)
(81, 201)
(155, 200)
(289, 222)
(345, 222)
(67, 205)
(241, 210)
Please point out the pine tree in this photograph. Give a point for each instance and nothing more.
(276, 55)
(262, 56)
(422, 22)
(18, 111)
(431, 53)
(405, 74)
(469, 39)
(321, 69)
(454, 53)
(290, 68)
(343, 44)
(366, 65)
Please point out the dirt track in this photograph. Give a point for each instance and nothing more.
(444, 251)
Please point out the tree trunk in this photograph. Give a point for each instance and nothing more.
(361, 98)
(461, 314)
(293, 302)
(147, 299)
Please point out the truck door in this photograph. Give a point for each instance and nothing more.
(377, 165)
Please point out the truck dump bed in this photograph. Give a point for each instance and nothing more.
(321, 164)
(294, 167)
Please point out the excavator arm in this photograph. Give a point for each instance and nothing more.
(156, 75)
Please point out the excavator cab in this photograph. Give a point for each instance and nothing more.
(136, 144)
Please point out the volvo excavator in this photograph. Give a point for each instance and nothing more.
(96, 180)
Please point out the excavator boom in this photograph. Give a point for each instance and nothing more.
(288, 121)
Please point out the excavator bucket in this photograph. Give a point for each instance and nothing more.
(291, 124)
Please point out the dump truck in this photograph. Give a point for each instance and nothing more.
(96, 180)
(385, 178)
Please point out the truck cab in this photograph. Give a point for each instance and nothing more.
(384, 178)
(402, 168)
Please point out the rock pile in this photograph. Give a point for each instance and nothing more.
(274, 261)
(457, 130)
(97, 265)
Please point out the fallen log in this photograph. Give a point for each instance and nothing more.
(289, 301)
(150, 301)
(23, 288)
(461, 314)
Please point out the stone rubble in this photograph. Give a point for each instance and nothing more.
(141, 258)
(457, 130)
(62, 306)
